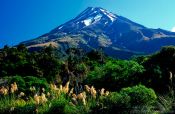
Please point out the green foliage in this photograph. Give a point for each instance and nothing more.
(36, 82)
(19, 81)
(117, 103)
(5, 104)
(59, 105)
(9, 104)
(24, 83)
(70, 109)
(140, 95)
(158, 68)
(81, 68)
(126, 101)
(115, 74)
(26, 109)
(19, 61)
(97, 55)
(29, 69)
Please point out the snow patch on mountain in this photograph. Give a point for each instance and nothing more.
(111, 16)
(88, 22)
(173, 29)
(92, 20)
(93, 15)
(60, 27)
(97, 18)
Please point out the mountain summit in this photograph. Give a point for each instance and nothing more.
(96, 27)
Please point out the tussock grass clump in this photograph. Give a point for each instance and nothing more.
(59, 99)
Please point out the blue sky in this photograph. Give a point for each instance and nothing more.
(22, 20)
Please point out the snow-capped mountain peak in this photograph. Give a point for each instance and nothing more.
(95, 17)
(96, 27)
(92, 15)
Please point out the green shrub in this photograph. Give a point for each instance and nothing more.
(115, 102)
(70, 109)
(27, 109)
(115, 74)
(6, 104)
(132, 99)
(24, 83)
(19, 81)
(81, 68)
(37, 82)
(166, 104)
(58, 105)
(158, 67)
(11, 105)
(140, 95)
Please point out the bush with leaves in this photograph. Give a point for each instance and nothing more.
(38, 83)
(20, 61)
(112, 104)
(159, 70)
(19, 81)
(115, 74)
(25, 83)
(140, 95)
(126, 101)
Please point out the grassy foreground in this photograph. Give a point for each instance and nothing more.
(63, 100)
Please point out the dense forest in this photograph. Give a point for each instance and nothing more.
(46, 81)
